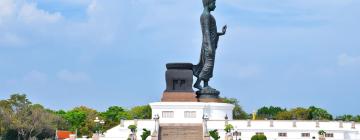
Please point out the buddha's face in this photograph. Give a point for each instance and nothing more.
(212, 5)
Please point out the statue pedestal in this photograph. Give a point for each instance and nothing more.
(190, 112)
(179, 97)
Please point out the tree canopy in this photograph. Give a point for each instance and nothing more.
(238, 112)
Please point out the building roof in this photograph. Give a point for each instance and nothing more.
(63, 134)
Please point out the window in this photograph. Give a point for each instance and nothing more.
(190, 114)
(259, 133)
(168, 114)
(305, 134)
(282, 134)
(236, 133)
(329, 135)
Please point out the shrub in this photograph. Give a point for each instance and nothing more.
(132, 128)
(322, 132)
(145, 134)
(259, 137)
(214, 134)
(228, 128)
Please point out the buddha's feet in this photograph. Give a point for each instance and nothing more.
(209, 89)
(208, 92)
(198, 86)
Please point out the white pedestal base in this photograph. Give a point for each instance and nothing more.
(190, 112)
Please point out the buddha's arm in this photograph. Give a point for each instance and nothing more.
(223, 31)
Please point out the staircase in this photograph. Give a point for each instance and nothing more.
(181, 132)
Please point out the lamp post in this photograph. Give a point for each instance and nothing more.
(226, 119)
(205, 119)
(102, 122)
(122, 121)
(156, 119)
(136, 118)
(98, 122)
(236, 133)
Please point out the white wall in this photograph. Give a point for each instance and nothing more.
(287, 127)
(293, 133)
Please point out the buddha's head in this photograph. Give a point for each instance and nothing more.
(209, 4)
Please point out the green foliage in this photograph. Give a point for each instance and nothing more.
(269, 112)
(348, 118)
(319, 114)
(214, 134)
(75, 118)
(299, 114)
(238, 112)
(357, 118)
(81, 120)
(311, 113)
(113, 115)
(141, 112)
(228, 128)
(285, 115)
(321, 132)
(23, 120)
(132, 128)
(259, 137)
(145, 134)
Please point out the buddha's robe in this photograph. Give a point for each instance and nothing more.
(204, 69)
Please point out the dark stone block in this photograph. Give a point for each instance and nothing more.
(179, 77)
(181, 66)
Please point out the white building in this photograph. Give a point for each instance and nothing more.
(181, 115)
(189, 115)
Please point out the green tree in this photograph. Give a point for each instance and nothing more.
(319, 114)
(26, 120)
(214, 134)
(61, 122)
(75, 118)
(357, 118)
(146, 133)
(141, 112)
(228, 128)
(259, 137)
(133, 128)
(346, 118)
(3, 107)
(113, 115)
(85, 125)
(269, 112)
(295, 113)
(238, 112)
(284, 115)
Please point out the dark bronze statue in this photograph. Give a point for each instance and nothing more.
(204, 69)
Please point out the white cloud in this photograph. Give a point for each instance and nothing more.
(347, 60)
(73, 77)
(7, 8)
(29, 13)
(35, 77)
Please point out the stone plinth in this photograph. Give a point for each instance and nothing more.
(179, 79)
(179, 97)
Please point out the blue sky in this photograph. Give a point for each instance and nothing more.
(98, 53)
